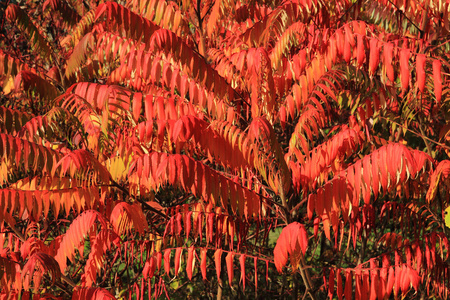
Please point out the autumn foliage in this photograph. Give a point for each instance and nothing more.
(228, 149)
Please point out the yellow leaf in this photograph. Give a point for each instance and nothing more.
(117, 168)
(447, 217)
(8, 85)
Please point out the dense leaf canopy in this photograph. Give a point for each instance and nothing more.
(224, 149)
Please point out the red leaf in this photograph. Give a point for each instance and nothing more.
(340, 40)
(387, 53)
(340, 290)
(348, 292)
(229, 260)
(178, 131)
(367, 179)
(187, 223)
(420, 71)
(442, 168)
(149, 268)
(414, 278)
(404, 68)
(283, 116)
(311, 206)
(179, 227)
(374, 58)
(331, 284)
(77, 230)
(178, 254)
(390, 281)
(242, 263)
(347, 51)
(101, 243)
(360, 50)
(137, 105)
(190, 262)
(358, 285)
(42, 261)
(82, 293)
(326, 226)
(203, 262)
(365, 284)
(167, 261)
(374, 283)
(419, 256)
(383, 277)
(320, 202)
(437, 81)
(292, 242)
(158, 260)
(302, 61)
(218, 262)
(126, 216)
(349, 43)
(210, 226)
(333, 50)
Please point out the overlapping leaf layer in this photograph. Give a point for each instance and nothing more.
(200, 149)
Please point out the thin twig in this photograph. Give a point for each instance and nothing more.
(418, 134)
(410, 21)
(146, 206)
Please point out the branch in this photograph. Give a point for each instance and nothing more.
(63, 277)
(18, 233)
(409, 20)
(146, 206)
(418, 134)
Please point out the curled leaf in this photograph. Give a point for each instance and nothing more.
(35, 266)
(292, 243)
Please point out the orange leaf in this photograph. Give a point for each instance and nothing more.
(229, 260)
(95, 262)
(124, 217)
(218, 262)
(213, 18)
(77, 230)
(390, 282)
